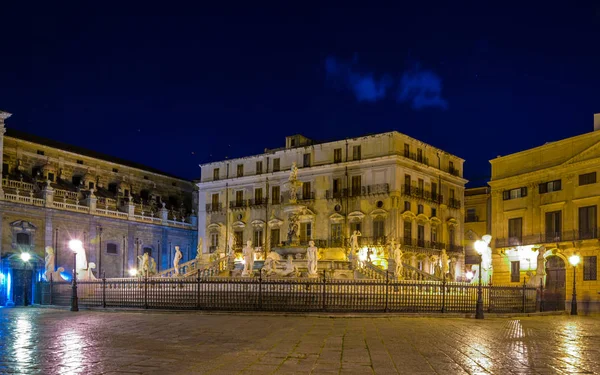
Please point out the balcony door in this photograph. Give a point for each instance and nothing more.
(553, 226)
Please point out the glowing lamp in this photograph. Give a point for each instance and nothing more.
(25, 257)
(574, 260)
(469, 275)
(480, 246)
(133, 272)
(75, 245)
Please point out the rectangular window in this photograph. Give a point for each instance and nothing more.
(515, 271)
(434, 192)
(276, 165)
(379, 230)
(76, 180)
(336, 233)
(356, 186)
(433, 234)
(275, 195)
(419, 155)
(406, 150)
(406, 206)
(51, 176)
(514, 193)
(553, 225)
(451, 237)
(408, 232)
(258, 238)
(239, 198)
(421, 185)
(216, 174)
(337, 186)
(306, 191)
(5, 169)
(145, 177)
(306, 160)
(240, 170)
(515, 230)
(421, 235)
(40, 152)
(239, 239)
(111, 248)
(305, 232)
(587, 222)
(420, 209)
(90, 185)
(115, 170)
(471, 215)
(548, 187)
(451, 193)
(258, 196)
(274, 238)
(214, 240)
(433, 212)
(337, 155)
(587, 178)
(407, 182)
(258, 167)
(590, 268)
(215, 201)
(356, 153)
(79, 161)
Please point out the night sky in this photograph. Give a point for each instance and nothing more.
(175, 87)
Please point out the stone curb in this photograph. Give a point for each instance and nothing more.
(311, 314)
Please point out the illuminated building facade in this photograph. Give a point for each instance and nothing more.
(52, 192)
(386, 186)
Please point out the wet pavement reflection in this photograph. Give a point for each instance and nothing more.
(54, 341)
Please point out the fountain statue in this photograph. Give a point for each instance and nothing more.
(176, 260)
(444, 260)
(82, 267)
(143, 264)
(312, 257)
(248, 252)
(199, 249)
(398, 261)
(293, 183)
(50, 264)
(354, 241)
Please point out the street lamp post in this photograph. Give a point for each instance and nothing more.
(75, 246)
(574, 260)
(25, 257)
(481, 246)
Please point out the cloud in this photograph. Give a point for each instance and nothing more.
(364, 86)
(421, 88)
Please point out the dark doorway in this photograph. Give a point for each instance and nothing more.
(22, 287)
(555, 293)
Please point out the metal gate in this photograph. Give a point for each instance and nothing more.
(555, 293)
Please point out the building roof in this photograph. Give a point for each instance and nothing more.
(83, 151)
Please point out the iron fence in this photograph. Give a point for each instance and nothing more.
(300, 294)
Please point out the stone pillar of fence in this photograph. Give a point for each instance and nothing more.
(48, 194)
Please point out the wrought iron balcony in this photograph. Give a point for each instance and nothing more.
(416, 157)
(454, 172)
(306, 196)
(471, 219)
(257, 202)
(376, 189)
(277, 199)
(550, 237)
(338, 194)
(453, 203)
(237, 204)
(415, 192)
(214, 207)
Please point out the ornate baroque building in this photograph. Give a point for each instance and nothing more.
(477, 220)
(385, 185)
(546, 199)
(52, 193)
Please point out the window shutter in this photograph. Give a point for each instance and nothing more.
(506, 195)
(524, 191)
(543, 188)
(557, 185)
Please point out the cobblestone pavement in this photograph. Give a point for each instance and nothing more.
(53, 341)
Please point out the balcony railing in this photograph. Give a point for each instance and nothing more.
(454, 172)
(453, 203)
(306, 196)
(550, 237)
(214, 207)
(376, 189)
(416, 157)
(471, 219)
(339, 194)
(257, 202)
(413, 191)
(237, 204)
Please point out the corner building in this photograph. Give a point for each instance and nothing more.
(52, 192)
(546, 199)
(386, 185)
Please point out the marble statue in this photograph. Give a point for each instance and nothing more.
(293, 228)
(452, 271)
(369, 253)
(176, 260)
(50, 273)
(293, 183)
(312, 257)
(82, 267)
(444, 259)
(248, 252)
(398, 261)
(486, 266)
(152, 270)
(290, 269)
(541, 262)
(199, 249)
(143, 264)
(354, 241)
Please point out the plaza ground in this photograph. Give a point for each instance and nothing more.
(56, 341)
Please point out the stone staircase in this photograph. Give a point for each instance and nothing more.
(371, 271)
(192, 267)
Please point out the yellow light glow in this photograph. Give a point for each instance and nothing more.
(574, 260)
(480, 246)
(469, 275)
(133, 272)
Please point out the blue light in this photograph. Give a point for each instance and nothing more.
(8, 282)
(2, 277)
(66, 276)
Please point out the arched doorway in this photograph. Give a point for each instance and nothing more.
(554, 295)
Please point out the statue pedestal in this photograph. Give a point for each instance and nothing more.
(247, 273)
(313, 275)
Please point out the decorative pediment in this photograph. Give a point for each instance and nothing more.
(435, 221)
(471, 235)
(452, 222)
(355, 216)
(214, 226)
(378, 212)
(239, 224)
(591, 152)
(275, 222)
(336, 218)
(23, 225)
(258, 223)
(408, 216)
(306, 216)
(422, 219)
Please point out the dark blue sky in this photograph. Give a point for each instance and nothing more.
(175, 87)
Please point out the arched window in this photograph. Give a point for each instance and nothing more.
(23, 239)
(379, 230)
(111, 248)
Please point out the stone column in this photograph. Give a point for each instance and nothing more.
(130, 208)
(90, 201)
(3, 116)
(48, 194)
